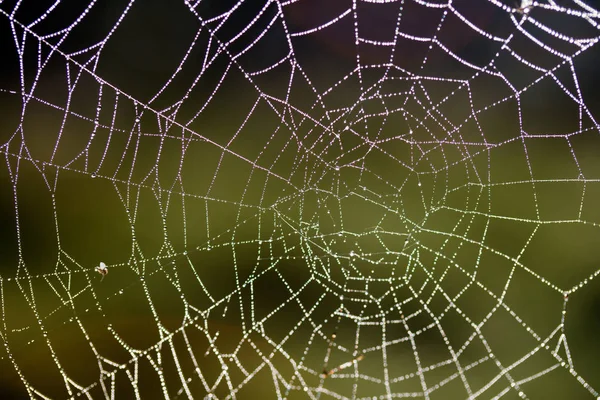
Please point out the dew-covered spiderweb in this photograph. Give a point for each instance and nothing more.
(345, 199)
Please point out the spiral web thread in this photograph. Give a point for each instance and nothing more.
(326, 200)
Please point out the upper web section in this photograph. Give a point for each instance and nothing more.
(345, 199)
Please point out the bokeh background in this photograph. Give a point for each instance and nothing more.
(261, 229)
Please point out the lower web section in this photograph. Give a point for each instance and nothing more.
(300, 312)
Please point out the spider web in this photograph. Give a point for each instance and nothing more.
(299, 199)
